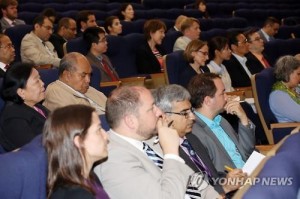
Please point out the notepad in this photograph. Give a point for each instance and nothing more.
(252, 162)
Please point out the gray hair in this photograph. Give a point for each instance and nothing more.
(69, 62)
(285, 66)
(166, 95)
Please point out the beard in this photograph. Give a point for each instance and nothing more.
(146, 133)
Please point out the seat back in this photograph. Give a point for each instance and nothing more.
(173, 61)
(262, 86)
(48, 75)
(77, 45)
(169, 41)
(24, 174)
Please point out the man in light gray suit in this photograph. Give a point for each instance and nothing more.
(129, 172)
(269, 29)
(224, 146)
(9, 10)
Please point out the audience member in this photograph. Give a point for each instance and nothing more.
(74, 141)
(285, 96)
(50, 13)
(73, 87)
(126, 12)
(218, 52)
(97, 45)
(7, 53)
(190, 29)
(85, 19)
(66, 31)
(133, 169)
(224, 145)
(195, 54)
(35, 46)
(201, 6)
(9, 10)
(256, 59)
(178, 22)
(113, 25)
(174, 101)
(23, 117)
(269, 29)
(236, 66)
(149, 56)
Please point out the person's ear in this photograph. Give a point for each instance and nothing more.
(21, 93)
(131, 121)
(77, 142)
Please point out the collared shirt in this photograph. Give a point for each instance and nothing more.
(222, 71)
(139, 145)
(2, 66)
(224, 139)
(265, 34)
(243, 61)
(10, 22)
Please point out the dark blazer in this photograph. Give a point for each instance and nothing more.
(203, 154)
(238, 75)
(146, 61)
(2, 73)
(58, 42)
(94, 61)
(255, 66)
(19, 124)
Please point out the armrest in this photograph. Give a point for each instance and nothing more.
(44, 66)
(113, 83)
(284, 125)
(247, 90)
(157, 80)
(133, 81)
(264, 149)
(241, 94)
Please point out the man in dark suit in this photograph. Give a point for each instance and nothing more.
(9, 10)
(256, 59)
(97, 44)
(7, 53)
(85, 19)
(178, 22)
(237, 67)
(269, 29)
(66, 30)
(174, 101)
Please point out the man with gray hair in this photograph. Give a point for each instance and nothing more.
(73, 85)
(174, 101)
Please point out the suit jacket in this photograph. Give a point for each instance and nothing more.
(262, 36)
(2, 73)
(238, 75)
(58, 42)
(20, 124)
(94, 61)
(146, 61)
(59, 94)
(255, 66)
(5, 24)
(129, 173)
(33, 51)
(244, 141)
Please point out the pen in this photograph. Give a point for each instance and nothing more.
(157, 138)
(227, 168)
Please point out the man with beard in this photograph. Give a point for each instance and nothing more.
(133, 170)
(224, 145)
(9, 10)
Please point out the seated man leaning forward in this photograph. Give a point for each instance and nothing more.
(133, 170)
(72, 87)
(224, 145)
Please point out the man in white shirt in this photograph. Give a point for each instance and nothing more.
(9, 10)
(7, 53)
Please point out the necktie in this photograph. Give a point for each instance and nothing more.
(195, 158)
(158, 161)
(266, 63)
(109, 71)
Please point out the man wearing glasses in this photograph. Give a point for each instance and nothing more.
(223, 144)
(174, 102)
(35, 46)
(7, 53)
(237, 66)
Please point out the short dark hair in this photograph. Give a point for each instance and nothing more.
(5, 3)
(83, 16)
(40, 19)
(271, 21)
(122, 9)
(64, 22)
(152, 26)
(285, 66)
(200, 86)
(197, 3)
(108, 22)
(15, 77)
(91, 35)
(49, 12)
(232, 37)
(216, 43)
(250, 32)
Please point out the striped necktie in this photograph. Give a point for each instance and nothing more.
(158, 161)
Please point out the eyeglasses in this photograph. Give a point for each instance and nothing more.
(48, 27)
(8, 46)
(243, 42)
(185, 113)
(203, 53)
